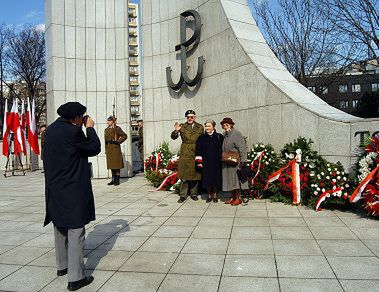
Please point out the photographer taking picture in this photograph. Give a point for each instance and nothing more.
(68, 191)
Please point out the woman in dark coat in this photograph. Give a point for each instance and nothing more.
(208, 159)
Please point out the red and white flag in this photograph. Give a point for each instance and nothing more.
(6, 130)
(357, 194)
(14, 126)
(32, 128)
(277, 173)
(335, 193)
(23, 127)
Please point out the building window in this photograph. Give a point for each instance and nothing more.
(375, 87)
(134, 109)
(132, 39)
(133, 88)
(355, 103)
(132, 19)
(343, 88)
(324, 89)
(312, 88)
(356, 88)
(133, 78)
(134, 98)
(344, 104)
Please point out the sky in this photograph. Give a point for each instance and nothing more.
(20, 12)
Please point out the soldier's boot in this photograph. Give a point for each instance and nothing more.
(111, 183)
(116, 180)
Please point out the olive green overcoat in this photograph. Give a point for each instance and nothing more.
(113, 151)
(189, 135)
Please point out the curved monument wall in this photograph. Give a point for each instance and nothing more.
(242, 79)
(87, 61)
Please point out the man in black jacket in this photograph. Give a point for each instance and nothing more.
(69, 199)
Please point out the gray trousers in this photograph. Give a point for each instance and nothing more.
(69, 247)
(189, 187)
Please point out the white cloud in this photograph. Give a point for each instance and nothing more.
(33, 14)
(40, 27)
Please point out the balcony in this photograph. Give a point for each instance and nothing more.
(134, 82)
(135, 113)
(134, 72)
(133, 43)
(135, 103)
(133, 23)
(133, 63)
(133, 52)
(134, 92)
(133, 31)
(132, 12)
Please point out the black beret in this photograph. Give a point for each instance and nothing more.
(190, 112)
(71, 109)
(110, 118)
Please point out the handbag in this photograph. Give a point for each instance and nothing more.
(230, 158)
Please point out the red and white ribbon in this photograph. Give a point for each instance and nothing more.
(335, 193)
(157, 160)
(361, 187)
(172, 177)
(277, 173)
(259, 158)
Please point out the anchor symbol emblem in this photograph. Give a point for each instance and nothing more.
(195, 39)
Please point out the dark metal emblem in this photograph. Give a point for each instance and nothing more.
(182, 47)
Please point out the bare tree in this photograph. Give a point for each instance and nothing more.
(25, 56)
(3, 39)
(358, 20)
(302, 36)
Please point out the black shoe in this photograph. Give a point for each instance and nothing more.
(111, 183)
(116, 180)
(195, 198)
(181, 200)
(245, 201)
(215, 200)
(72, 286)
(208, 200)
(61, 272)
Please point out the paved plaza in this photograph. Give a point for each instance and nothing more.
(146, 241)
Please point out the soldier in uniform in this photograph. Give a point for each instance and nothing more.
(190, 131)
(140, 140)
(114, 136)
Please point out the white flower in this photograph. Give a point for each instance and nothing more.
(329, 169)
(334, 180)
(338, 177)
(267, 163)
(256, 145)
(344, 178)
(298, 151)
(334, 187)
(272, 152)
(328, 177)
(322, 173)
(347, 185)
(343, 173)
(338, 172)
(315, 192)
(328, 165)
(336, 169)
(318, 189)
(342, 188)
(323, 190)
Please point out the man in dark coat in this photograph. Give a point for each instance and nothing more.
(189, 132)
(140, 142)
(69, 198)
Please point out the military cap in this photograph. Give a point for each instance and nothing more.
(190, 112)
(71, 109)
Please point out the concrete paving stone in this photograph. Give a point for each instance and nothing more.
(303, 267)
(206, 246)
(139, 230)
(136, 282)
(250, 221)
(160, 244)
(225, 213)
(308, 212)
(15, 226)
(21, 255)
(212, 232)
(150, 220)
(189, 213)
(93, 241)
(324, 221)
(218, 221)
(352, 214)
(174, 231)
(46, 260)
(182, 221)
(373, 246)
(198, 264)
(357, 222)
(250, 265)
(296, 247)
(16, 238)
(189, 283)
(106, 260)
(285, 232)
(44, 240)
(126, 243)
(355, 267)
(6, 270)
(283, 213)
(251, 233)
(360, 285)
(130, 211)
(292, 222)
(232, 284)
(28, 278)
(149, 262)
(332, 232)
(344, 248)
(5, 248)
(252, 247)
(309, 285)
(38, 228)
(366, 233)
(100, 277)
(251, 213)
